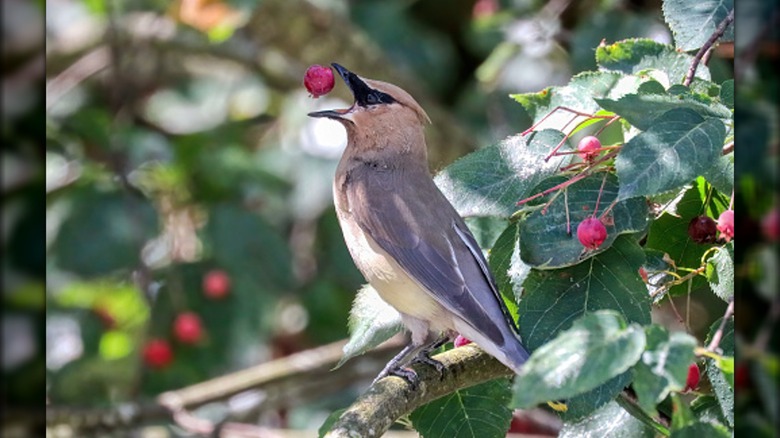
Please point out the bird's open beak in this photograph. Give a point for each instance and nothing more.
(358, 88)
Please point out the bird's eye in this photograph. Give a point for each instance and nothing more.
(372, 98)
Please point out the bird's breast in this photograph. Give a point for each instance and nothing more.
(384, 274)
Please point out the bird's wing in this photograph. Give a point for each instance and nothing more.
(419, 228)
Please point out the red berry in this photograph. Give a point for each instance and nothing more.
(726, 225)
(693, 377)
(318, 80)
(461, 341)
(770, 225)
(643, 274)
(157, 353)
(105, 317)
(484, 8)
(187, 328)
(216, 284)
(741, 376)
(589, 147)
(591, 233)
(702, 229)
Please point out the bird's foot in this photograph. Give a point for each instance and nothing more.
(424, 358)
(409, 375)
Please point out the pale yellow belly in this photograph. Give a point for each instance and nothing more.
(390, 280)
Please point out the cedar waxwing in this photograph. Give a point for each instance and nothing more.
(406, 238)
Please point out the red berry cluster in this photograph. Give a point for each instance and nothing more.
(187, 326)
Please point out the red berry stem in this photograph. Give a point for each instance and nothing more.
(601, 190)
(585, 172)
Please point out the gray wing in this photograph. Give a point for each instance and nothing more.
(411, 220)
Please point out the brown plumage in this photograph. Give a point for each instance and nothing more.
(403, 234)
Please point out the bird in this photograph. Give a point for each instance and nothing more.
(406, 238)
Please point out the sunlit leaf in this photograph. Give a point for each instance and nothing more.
(490, 181)
(598, 346)
(720, 271)
(664, 366)
(371, 322)
(693, 23)
(679, 146)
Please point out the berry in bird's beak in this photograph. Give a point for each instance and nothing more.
(318, 80)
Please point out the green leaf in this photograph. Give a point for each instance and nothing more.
(545, 241)
(678, 147)
(115, 344)
(720, 271)
(508, 268)
(682, 415)
(598, 346)
(707, 409)
(578, 94)
(699, 430)
(585, 404)
(664, 366)
(371, 322)
(610, 280)
(723, 383)
(248, 244)
(642, 110)
(669, 234)
(721, 174)
(486, 229)
(633, 56)
(693, 23)
(490, 181)
(329, 422)
(610, 421)
(105, 232)
(727, 93)
(479, 410)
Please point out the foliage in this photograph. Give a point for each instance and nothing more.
(187, 152)
(585, 314)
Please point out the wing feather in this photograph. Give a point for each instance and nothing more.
(421, 230)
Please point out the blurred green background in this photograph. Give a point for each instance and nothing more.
(177, 146)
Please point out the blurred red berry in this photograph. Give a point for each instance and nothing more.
(216, 284)
(105, 317)
(187, 328)
(484, 8)
(770, 225)
(591, 233)
(157, 353)
(318, 80)
(702, 229)
(588, 148)
(741, 376)
(643, 274)
(461, 341)
(692, 382)
(726, 225)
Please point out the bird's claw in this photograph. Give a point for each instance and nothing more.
(425, 359)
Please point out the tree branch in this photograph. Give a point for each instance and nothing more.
(392, 397)
(719, 31)
(295, 379)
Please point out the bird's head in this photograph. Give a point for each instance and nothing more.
(381, 110)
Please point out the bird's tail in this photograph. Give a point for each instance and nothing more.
(510, 351)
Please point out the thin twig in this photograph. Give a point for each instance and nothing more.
(718, 336)
(719, 31)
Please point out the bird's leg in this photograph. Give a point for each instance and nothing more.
(424, 355)
(421, 354)
(394, 366)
